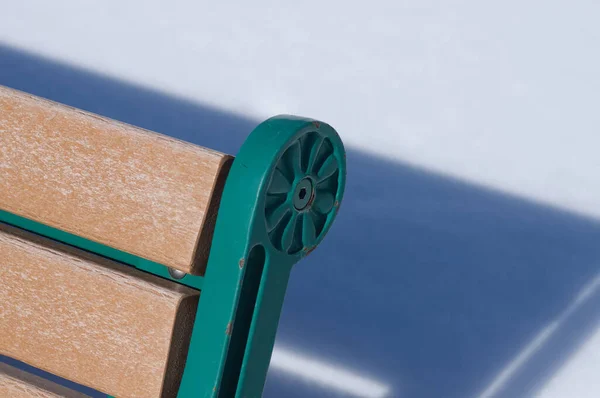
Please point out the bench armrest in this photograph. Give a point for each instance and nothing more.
(280, 199)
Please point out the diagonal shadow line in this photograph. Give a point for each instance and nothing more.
(428, 283)
(523, 375)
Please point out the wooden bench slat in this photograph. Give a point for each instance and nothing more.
(91, 320)
(137, 191)
(16, 383)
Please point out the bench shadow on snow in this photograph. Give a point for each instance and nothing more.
(426, 283)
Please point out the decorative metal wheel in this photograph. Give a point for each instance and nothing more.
(303, 193)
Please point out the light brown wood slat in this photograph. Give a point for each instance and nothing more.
(91, 320)
(16, 383)
(119, 185)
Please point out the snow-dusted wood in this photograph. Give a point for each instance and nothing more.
(15, 383)
(119, 185)
(90, 320)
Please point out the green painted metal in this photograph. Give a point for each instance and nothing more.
(280, 199)
(260, 234)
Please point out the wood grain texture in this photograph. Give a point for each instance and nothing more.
(91, 320)
(16, 383)
(122, 186)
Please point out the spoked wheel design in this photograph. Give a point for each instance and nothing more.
(303, 193)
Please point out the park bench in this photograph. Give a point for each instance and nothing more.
(140, 265)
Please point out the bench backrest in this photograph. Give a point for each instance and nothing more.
(16, 383)
(90, 320)
(137, 191)
(144, 266)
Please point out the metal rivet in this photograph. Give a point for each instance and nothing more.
(176, 274)
(304, 194)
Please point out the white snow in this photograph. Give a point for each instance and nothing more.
(327, 375)
(579, 376)
(504, 94)
(500, 93)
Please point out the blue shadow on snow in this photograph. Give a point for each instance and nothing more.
(426, 283)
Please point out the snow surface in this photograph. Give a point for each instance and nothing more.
(502, 95)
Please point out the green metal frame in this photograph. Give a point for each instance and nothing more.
(280, 199)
